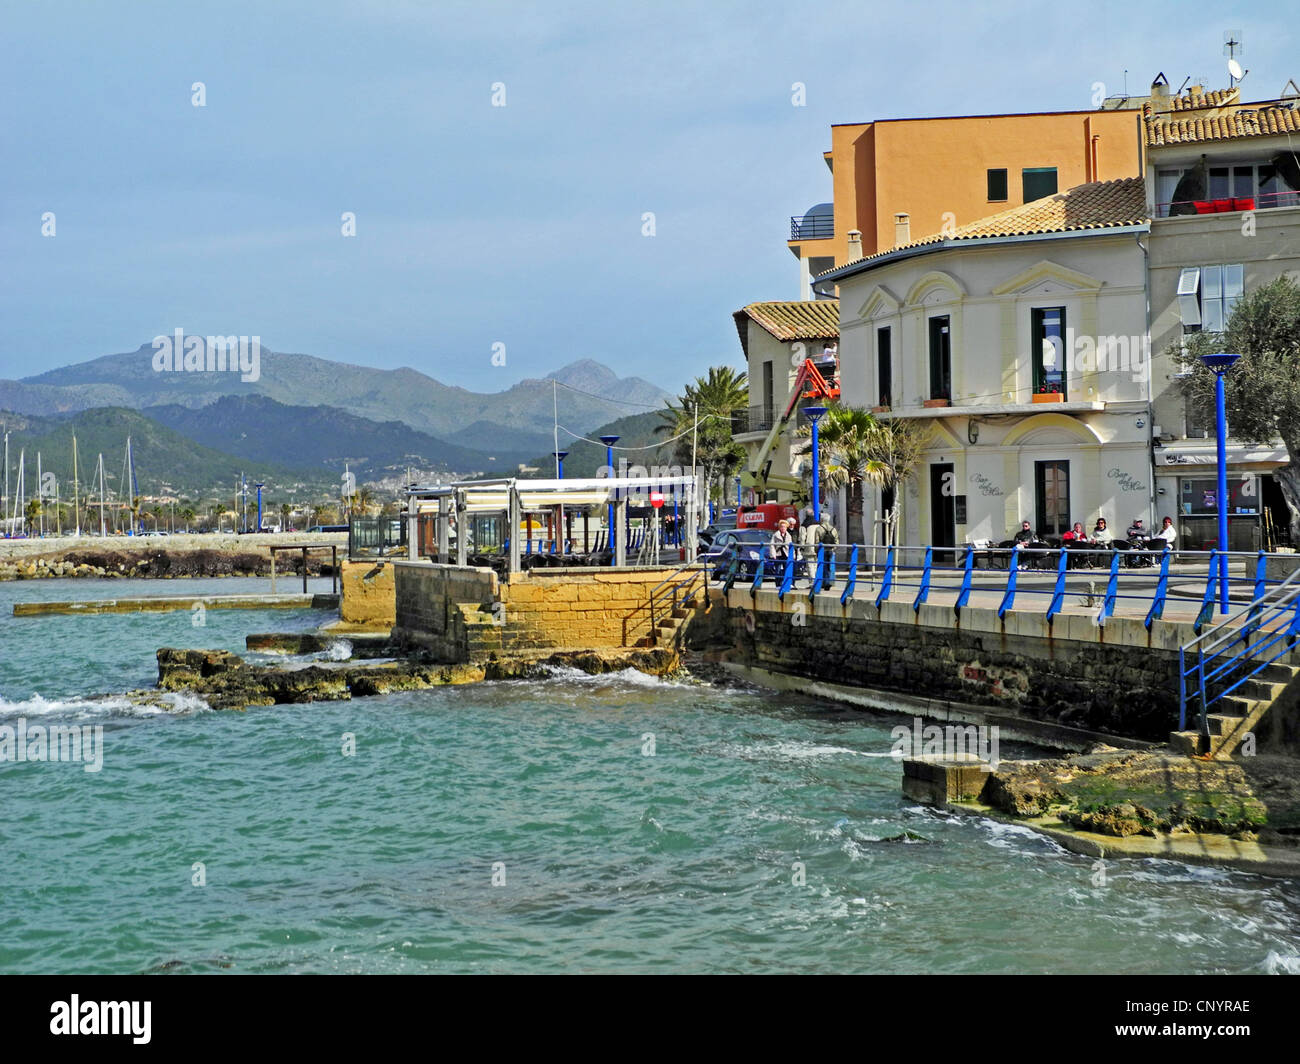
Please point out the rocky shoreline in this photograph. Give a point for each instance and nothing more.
(158, 563)
(1153, 794)
(226, 681)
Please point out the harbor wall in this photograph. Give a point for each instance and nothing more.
(466, 614)
(1118, 679)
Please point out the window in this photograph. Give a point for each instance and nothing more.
(1038, 181)
(997, 185)
(768, 403)
(1197, 419)
(884, 365)
(1207, 296)
(940, 358)
(1047, 326)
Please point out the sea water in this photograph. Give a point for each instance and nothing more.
(577, 824)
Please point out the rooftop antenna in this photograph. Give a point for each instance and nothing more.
(1233, 47)
(1290, 91)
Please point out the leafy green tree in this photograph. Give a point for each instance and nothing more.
(1262, 391)
(856, 449)
(700, 418)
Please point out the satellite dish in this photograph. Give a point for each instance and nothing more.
(1234, 68)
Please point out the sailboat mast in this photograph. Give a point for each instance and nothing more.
(76, 490)
(102, 532)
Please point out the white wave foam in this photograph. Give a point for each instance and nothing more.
(1281, 963)
(789, 750)
(170, 703)
(339, 650)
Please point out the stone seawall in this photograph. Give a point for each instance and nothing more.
(369, 594)
(464, 614)
(1117, 681)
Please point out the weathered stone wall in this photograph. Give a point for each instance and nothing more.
(468, 614)
(369, 594)
(427, 600)
(1112, 682)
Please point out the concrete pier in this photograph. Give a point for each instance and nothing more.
(165, 604)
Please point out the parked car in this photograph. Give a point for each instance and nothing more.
(725, 522)
(751, 547)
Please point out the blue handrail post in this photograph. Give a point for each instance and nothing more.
(1112, 587)
(1207, 602)
(1009, 595)
(1162, 589)
(887, 581)
(1058, 593)
(787, 581)
(1182, 690)
(924, 589)
(853, 575)
(963, 596)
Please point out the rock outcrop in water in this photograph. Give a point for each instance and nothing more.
(159, 563)
(226, 681)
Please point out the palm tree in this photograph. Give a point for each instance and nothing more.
(701, 422)
(285, 510)
(32, 514)
(858, 449)
(187, 515)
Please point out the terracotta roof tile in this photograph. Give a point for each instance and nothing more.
(1263, 120)
(796, 320)
(1099, 205)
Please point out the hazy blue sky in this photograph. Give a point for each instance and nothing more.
(479, 224)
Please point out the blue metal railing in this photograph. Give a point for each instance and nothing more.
(1103, 579)
(1238, 648)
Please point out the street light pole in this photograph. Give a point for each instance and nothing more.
(1221, 364)
(814, 415)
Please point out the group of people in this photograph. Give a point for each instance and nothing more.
(814, 530)
(1138, 538)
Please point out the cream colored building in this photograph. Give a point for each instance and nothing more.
(1020, 339)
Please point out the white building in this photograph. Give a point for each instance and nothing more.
(1022, 340)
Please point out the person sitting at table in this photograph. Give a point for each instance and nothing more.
(1167, 532)
(1137, 544)
(1026, 535)
(1101, 534)
(1076, 539)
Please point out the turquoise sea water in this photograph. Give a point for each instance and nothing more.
(606, 860)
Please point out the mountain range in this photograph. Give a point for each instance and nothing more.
(585, 394)
(304, 420)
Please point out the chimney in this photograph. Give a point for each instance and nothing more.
(855, 245)
(902, 230)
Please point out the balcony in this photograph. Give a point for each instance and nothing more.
(811, 227)
(752, 419)
(1227, 205)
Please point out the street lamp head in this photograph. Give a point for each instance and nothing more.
(1220, 363)
(814, 413)
(561, 455)
(609, 441)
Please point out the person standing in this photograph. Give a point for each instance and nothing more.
(779, 545)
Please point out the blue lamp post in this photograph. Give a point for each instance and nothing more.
(609, 442)
(560, 456)
(814, 415)
(259, 505)
(1221, 364)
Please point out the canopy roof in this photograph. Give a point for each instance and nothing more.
(489, 495)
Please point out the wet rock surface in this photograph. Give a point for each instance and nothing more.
(1127, 793)
(226, 681)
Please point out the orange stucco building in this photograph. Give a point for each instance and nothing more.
(949, 172)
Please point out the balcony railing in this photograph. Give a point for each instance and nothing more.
(752, 419)
(816, 228)
(1227, 205)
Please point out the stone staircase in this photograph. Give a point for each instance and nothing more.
(1242, 711)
